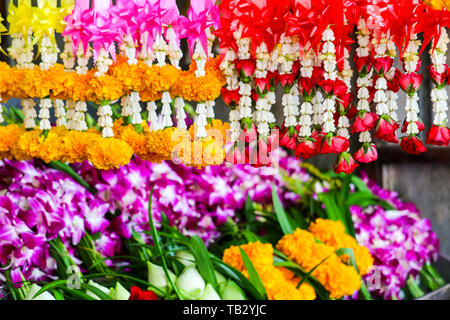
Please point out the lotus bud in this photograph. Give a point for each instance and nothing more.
(35, 289)
(119, 292)
(190, 283)
(100, 287)
(209, 293)
(157, 277)
(221, 280)
(232, 292)
(186, 258)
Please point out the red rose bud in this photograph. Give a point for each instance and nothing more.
(137, 294)
(352, 112)
(255, 96)
(363, 65)
(368, 153)
(262, 85)
(438, 78)
(231, 97)
(345, 163)
(317, 74)
(345, 100)
(340, 88)
(306, 149)
(245, 68)
(286, 80)
(327, 86)
(410, 82)
(438, 136)
(334, 145)
(382, 64)
(273, 76)
(364, 122)
(413, 145)
(419, 124)
(305, 85)
(250, 134)
(236, 156)
(386, 130)
(296, 68)
(372, 92)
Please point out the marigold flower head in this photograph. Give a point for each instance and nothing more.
(279, 284)
(105, 87)
(109, 153)
(29, 144)
(76, 144)
(333, 234)
(339, 279)
(9, 136)
(51, 147)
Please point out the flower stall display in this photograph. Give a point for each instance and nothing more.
(304, 47)
(118, 182)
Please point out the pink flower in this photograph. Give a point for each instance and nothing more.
(366, 154)
(345, 163)
(413, 145)
(410, 82)
(439, 136)
(365, 121)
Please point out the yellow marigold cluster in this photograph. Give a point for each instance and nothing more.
(60, 144)
(206, 88)
(121, 79)
(338, 278)
(333, 234)
(279, 283)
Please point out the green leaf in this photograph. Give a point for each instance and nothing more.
(435, 274)
(155, 238)
(360, 184)
(58, 165)
(237, 277)
(50, 286)
(58, 295)
(414, 288)
(253, 274)
(331, 207)
(428, 280)
(204, 264)
(18, 113)
(282, 217)
(99, 293)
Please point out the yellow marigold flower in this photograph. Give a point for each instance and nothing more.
(51, 147)
(103, 88)
(134, 139)
(277, 285)
(9, 136)
(109, 153)
(76, 144)
(29, 144)
(333, 234)
(301, 247)
(162, 143)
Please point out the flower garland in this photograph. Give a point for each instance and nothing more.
(61, 144)
(439, 133)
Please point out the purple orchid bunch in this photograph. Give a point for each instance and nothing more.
(400, 241)
(39, 204)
